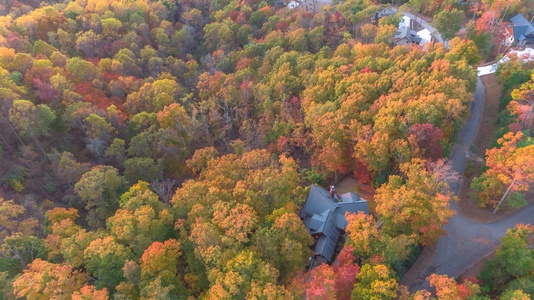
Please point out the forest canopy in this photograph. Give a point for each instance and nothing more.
(161, 149)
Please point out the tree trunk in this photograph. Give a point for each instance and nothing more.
(14, 132)
(5, 143)
(504, 196)
(37, 143)
(504, 15)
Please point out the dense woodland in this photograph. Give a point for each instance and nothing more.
(158, 149)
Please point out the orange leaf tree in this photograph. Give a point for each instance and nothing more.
(89, 292)
(160, 261)
(415, 203)
(511, 163)
(448, 289)
(45, 280)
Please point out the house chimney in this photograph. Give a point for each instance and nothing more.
(332, 191)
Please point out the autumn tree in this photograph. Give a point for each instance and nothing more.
(225, 234)
(104, 259)
(45, 280)
(511, 163)
(522, 104)
(6, 286)
(67, 170)
(218, 36)
(265, 184)
(322, 284)
(368, 242)
(357, 11)
(19, 250)
(514, 295)
(384, 33)
(9, 215)
(345, 271)
(268, 291)
(82, 70)
(336, 281)
(448, 289)
(487, 190)
(463, 50)
(61, 226)
(89, 292)
(141, 219)
(99, 133)
(511, 260)
(239, 274)
(125, 62)
(30, 120)
(97, 127)
(448, 22)
(99, 189)
(375, 282)
(427, 139)
(160, 261)
(285, 244)
(199, 161)
(416, 203)
(39, 76)
(153, 97)
(60, 214)
(141, 168)
(368, 32)
(168, 140)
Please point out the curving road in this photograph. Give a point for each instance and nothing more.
(467, 241)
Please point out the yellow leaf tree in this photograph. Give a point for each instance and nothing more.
(416, 203)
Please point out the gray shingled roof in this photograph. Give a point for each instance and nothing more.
(407, 33)
(383, 13)
(522, 27)
(325, 216)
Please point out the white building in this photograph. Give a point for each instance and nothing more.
(425, 35)
(293, 4)
(422, 37)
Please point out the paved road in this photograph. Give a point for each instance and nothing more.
(466, 241)
(423, 23)
(526, 54)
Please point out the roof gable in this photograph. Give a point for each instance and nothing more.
(318, 221)
(408, 34)
(522, 27)
(318, 201)
(520, 20)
